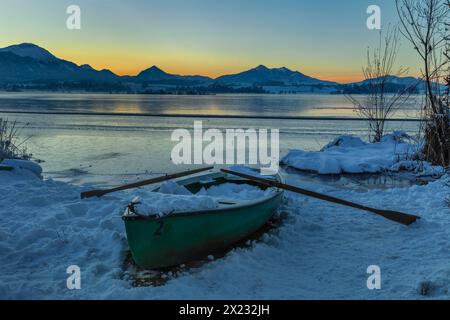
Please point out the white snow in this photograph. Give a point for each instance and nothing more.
(321, 251)
(349, 154)
(172, 198)
(30, 50)
(235, 192)
(171, 187)
(23, 167)
(159, 204)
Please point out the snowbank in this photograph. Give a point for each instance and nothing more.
(321, 251)
(23, 168)
(349, 154)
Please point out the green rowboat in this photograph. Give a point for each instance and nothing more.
(180, 237)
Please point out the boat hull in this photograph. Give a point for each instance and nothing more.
(179, 238)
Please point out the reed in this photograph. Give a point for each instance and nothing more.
(12, 145)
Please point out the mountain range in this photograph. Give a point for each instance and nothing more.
(28, 63)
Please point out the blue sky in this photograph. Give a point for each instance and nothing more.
(322, 38)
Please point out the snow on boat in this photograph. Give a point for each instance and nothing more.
(196, 217)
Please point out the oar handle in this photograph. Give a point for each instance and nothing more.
(101, 193)
(400, 217)
(93, 193)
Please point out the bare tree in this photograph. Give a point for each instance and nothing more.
(380, 104)
(447, 56)
(424, 25)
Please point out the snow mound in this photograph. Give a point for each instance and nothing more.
(345, 142)
(348, 154)
(420, 168)
(398, 137)
(21, 168)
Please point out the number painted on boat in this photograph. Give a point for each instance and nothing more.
(158, 232)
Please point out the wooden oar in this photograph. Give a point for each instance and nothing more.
(399, 217)
(100, 193)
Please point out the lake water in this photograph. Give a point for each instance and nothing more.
(110, 139)
(306, 105)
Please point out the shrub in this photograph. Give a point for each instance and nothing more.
(12, 146)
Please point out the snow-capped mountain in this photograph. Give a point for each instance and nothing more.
(31, 51)
(264, 76)
(28, 62)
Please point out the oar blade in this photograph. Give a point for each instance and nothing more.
(400, 217)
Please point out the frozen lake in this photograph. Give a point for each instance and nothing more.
(106, 139)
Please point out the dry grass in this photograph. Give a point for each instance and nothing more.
(12, 146)
(447, 199)
(437, 137)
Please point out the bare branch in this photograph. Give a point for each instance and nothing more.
(380, 104)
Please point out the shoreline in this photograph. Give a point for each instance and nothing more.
(203, 116)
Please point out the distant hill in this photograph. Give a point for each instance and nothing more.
(28, 62)
(263, 76)
(28, 66)
(30, 50)
(406, 81)
(392, 84)
(154, 75)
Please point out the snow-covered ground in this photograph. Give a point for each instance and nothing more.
(349, 154)
(321, 250)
